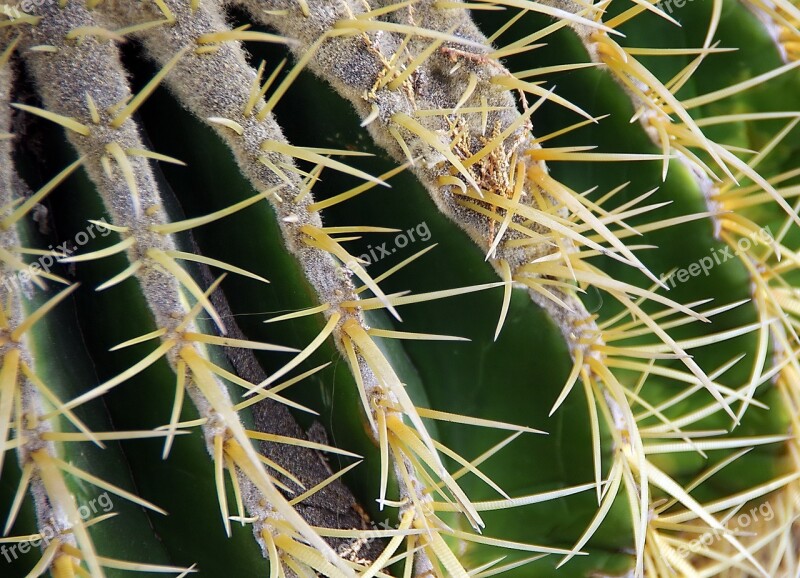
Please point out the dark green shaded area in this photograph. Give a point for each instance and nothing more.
(515, 379)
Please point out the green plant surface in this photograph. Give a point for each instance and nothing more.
(428, 236)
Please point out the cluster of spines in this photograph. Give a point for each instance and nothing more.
(552, 216)
(729, 204)
(123, 180)
(782, 19)
(542, 220)
(385, 401)
(97, 118)
(31, 414)
(549, 275)
(762, 242)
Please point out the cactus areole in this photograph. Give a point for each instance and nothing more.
(418, 288)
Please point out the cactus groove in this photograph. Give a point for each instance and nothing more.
(420, 288)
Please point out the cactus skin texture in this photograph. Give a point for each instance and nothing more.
(422, 288)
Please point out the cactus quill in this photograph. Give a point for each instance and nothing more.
(547, 325)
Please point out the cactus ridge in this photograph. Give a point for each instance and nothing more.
(435, 93)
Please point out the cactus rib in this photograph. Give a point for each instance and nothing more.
(131, 195)
(438, 95)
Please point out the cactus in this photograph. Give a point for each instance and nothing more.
(421, 288)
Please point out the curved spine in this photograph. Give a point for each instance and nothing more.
(96, 108)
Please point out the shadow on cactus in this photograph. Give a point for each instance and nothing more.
(380, 288)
